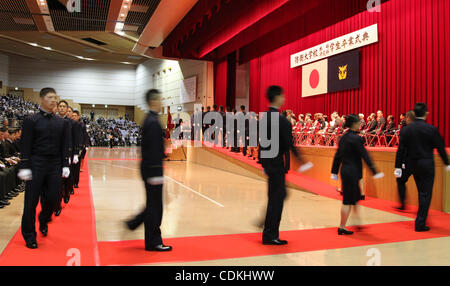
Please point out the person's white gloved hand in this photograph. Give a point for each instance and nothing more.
(378, 176)
(65, 172)
(398, 173)
(447, 168)
(305, 167)
(25, 175)
(75, 159)
(334, 177)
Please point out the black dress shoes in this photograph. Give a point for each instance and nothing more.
(5, 202)
(58, 212)
(43, 230)
(66, 199)
(342, 231)
(76, 186)
(72, 192)
(2, 206)
(32, 244)
(275, 242)
(131, 226)
(160, 247)
(422, 229)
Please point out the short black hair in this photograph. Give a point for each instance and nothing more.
(215, 106)
(63, 101)
(151, 95)
(411, 115)
(221, 108)
(76, 112)
(273, 91)
(70, 107)
(420, 109)
(242, 107)
(46, 91)
(350, 120)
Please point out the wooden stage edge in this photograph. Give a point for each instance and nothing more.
(386, 188)
(322, 158)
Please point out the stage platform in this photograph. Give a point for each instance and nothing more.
(322, 157)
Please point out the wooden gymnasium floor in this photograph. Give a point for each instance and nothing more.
(211, 218)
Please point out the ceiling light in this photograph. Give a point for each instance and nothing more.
(125, 6)
(48, 48)
(119, 26)
(122, 14)
(93, 105)
(80, 57)
(106, 106)
(16, 88)
(33, 44)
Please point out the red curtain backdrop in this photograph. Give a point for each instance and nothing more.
(220, 83)
(410, 63)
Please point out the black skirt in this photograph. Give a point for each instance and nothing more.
(350, 186)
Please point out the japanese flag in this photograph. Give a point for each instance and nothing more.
(315, 78)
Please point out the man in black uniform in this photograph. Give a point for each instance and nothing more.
(417, 142)
(274, 166)
(44, 160)
(8, 160)
(152, 174)
(243, 134)
(406, 169)
(79, 130)
(67, 183)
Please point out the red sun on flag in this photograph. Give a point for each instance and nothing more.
(315, 78)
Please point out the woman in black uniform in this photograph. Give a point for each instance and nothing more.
(350, 152)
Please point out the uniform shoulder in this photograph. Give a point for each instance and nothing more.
(33, 117)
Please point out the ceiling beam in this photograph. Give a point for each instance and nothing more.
(41, 15)
(113, 15)
(166, 17)
(17, 54)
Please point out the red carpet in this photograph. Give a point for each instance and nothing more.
(201, 248)
(73, 229)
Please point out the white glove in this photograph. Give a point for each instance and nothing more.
(2, 166)
(447, 168)
(378, 176)
(70, 161)
(65, 172)
(75, 159)
(305, 167)
(334, 177)
(25, 175)
(398, 173)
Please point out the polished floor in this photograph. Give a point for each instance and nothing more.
(203, 201)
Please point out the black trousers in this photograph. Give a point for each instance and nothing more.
(277, 194)
(76, 173)
(423, 172)
(66, 187)
(46, 185)
(3, 180)
(401, 184)
(151, 216)
(8, 178)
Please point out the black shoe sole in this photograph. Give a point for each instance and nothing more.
(32, 245)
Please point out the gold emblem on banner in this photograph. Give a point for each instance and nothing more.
(343, 72)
